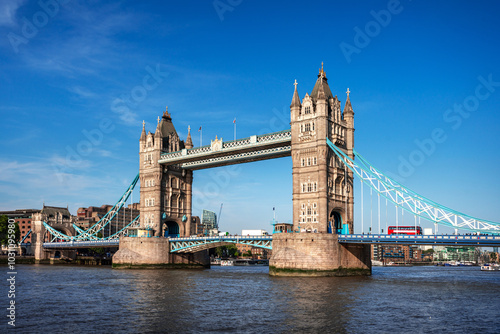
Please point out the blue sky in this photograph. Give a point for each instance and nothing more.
(66, 70)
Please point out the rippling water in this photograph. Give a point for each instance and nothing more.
(63, 299)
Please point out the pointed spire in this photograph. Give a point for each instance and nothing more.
(189, 141)
(321, 90)
(143, 134)
(158, 129)
(166, 115)
(322, 72)
(348, 106)
(295, 99)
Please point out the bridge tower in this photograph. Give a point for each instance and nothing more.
(166, 198)
(166, 191)
(322, 185)
(322, 190)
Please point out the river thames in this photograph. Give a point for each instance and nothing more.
(67, 299)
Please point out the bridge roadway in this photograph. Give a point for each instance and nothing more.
(430, 240)
(194, 244)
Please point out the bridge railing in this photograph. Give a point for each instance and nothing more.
(224, 237)
(478, 240)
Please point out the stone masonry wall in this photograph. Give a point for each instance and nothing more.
(317, 254)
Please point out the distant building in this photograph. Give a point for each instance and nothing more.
(87, 217)
(23, 218)
(445, 253)
(209, 222)
(253, 232)
(257, 252)
(397, 253)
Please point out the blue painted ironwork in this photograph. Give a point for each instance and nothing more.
(123, 232)
(57, 234)
(91, 233)
(410, 200)
(24, 238)
(196, 244)
(82, 244)
(435, 240)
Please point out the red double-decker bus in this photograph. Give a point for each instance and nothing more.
(409, 230)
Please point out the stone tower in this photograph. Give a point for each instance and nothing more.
(166, 191)
(322, 191)
(322, 185)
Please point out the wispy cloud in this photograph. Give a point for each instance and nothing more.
(82, 92)
(88, 43)
(8, 11)
(28, 184)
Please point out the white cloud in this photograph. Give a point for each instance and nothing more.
(83, 92)
(29, 184)
(8, 9)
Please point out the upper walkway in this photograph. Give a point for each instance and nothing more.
(219, 153)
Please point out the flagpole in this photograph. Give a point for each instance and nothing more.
(234, 122)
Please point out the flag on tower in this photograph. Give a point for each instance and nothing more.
(199, 129)
(234, 120)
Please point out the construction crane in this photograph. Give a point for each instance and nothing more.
(218, 217)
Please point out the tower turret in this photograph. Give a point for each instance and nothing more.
(158, 135)
(296, 106)
(349, 119)
(142, 140)
(189, 141)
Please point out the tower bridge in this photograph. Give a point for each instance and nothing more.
(320, 142)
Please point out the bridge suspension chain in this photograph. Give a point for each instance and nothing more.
(92, 232)
(409, 200)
